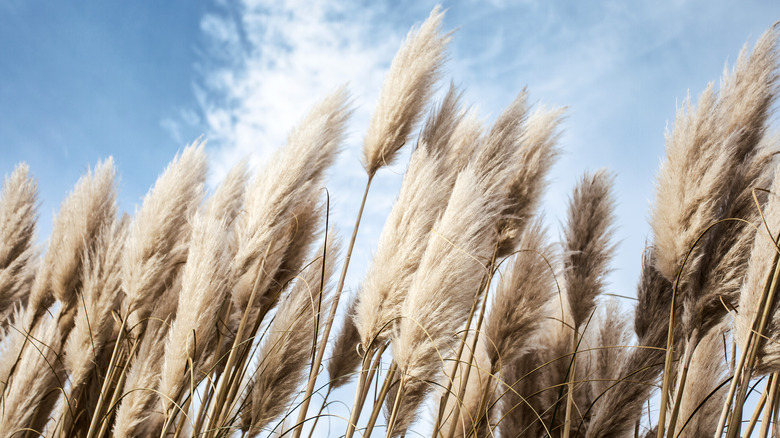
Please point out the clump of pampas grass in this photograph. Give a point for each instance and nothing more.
(208, 311)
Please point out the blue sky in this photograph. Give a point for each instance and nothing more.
(80, 81)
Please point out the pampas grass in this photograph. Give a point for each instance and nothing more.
(211, 317)
(18, 213)
(287, 350)
(156, 244)
(425, 191)
(405, 92)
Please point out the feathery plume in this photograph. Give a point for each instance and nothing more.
(515, 412)
(699, 411)
(608, 342)
(139, 413)
(706, 156)
(587, 243)
(18, 213)
(32, 390)
(94, 328)
(426, 187)
(464, 140)
(204, 288)
(157, 241)
(90, 206)
(226, 202)
(525, 288)
(287, 351)
(639, 370)
(281, 203)
(455, 262)
(478, 379)
(406, 90)
(535, 156)
(760, 268)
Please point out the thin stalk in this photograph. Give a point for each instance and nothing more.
(732, 388)
(356, 405)
(396, 407)
(205, 401)
(109, 377)
(759, 408)
(446, 394)
(224, 384)
(679, 395)
(182, 418)
(738, 371)
(776, 410)
(380, 399)
(319, 413)
(766, 420)
(484, 401)
(667, 366)
(326, 332)
(120, 384)
(747, 371)
(364, 384)
(371, 372)
(480, 319)
(570, 385)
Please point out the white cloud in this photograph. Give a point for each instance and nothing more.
(282, 58)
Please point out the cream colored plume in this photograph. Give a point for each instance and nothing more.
(282, 204)
(89, 207)
(204, 287)
(425, 191)
(18, 214)
(158, 237)
(406, 90)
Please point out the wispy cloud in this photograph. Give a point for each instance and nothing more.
(619, 67)
(268, 61)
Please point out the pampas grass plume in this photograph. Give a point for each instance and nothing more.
(406, 90)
